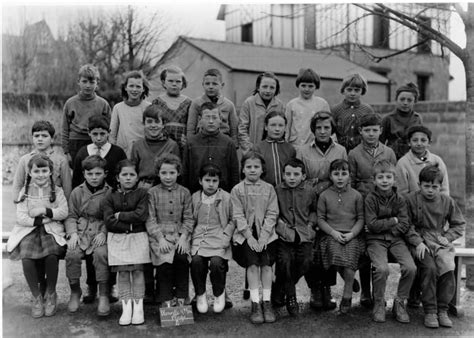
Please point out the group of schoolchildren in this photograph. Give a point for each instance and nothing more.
(156, 192)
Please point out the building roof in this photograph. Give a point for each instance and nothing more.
(252, 58)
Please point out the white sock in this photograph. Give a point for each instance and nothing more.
(254, 295)
(266, 294)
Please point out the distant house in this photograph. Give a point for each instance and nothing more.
(240, 63)
(34, 61)
(322, 27)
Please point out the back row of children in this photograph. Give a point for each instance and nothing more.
(209, 146)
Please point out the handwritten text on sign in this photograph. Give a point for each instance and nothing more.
(175, 316)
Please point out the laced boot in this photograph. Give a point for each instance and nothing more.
(378, 314)
(37, 308)
(50, 304)
(399, 311)
(268, 313)
(292, 305)
(256, 317)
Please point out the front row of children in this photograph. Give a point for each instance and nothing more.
(128, 226)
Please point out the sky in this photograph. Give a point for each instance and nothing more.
(191, 18)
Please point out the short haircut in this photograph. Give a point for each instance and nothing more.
(419, 129)
(307, 75)
(269, 75)
(173, 70)
(252, 155)
(153, 111)
(408, 87)
(354, 80)
(384, 166)
(210, 169)
(267, 118)
(208, 106)
(98, 121)
(125, 164)
(89, 71)
(42, 126)
(213, 72)
(322, 115)
(167, 159)
(274, 113)
(339, 164)
(370, 119)
(295, 163)
(430, 174)
(135, 74)
(94, 161)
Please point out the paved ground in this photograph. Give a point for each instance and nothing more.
(17, 321)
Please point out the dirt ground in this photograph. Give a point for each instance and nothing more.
(17, 321)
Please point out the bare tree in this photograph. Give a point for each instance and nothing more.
(121, 41)
(465, 54)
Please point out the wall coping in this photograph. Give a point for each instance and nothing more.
(425, 107)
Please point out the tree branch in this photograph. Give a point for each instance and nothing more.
(377, 59)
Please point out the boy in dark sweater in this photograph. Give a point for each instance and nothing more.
(387, 223)
(98, 127)
(297, 202)
(210, 146)
(156, 143)
(78, 109)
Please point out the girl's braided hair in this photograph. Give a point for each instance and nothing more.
(41, 161)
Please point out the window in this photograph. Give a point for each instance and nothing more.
(381, 31)
(384, 72)
(426, 46)
(310, 27)
(422, 80)
(247, 32)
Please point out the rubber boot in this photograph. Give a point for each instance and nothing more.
(138, 316)
(103, 309)
(126, 317)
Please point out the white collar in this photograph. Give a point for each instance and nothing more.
(92, 149)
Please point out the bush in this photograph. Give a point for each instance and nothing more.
(37, 100)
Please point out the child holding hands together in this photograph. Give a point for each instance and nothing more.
(169, 226)
(341, 217)
(38, 235)
(210, 243)
(255, 209)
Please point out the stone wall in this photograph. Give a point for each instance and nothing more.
(447, 122)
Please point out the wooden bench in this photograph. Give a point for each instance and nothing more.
(5, 236)
(464, 256)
